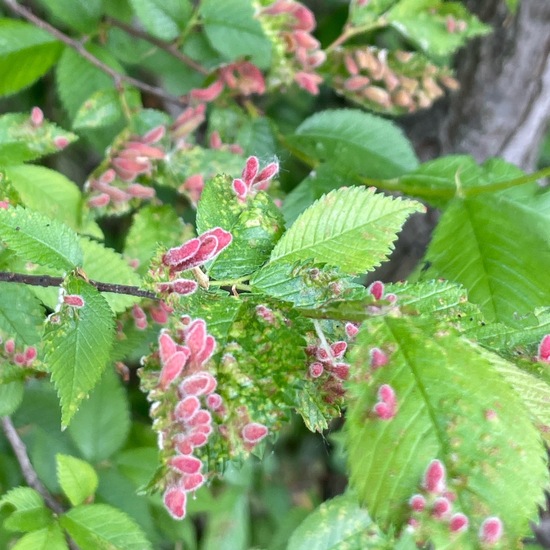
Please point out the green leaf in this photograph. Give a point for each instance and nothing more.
(104, 264)
(49, 538)
(495, 246)
(29, 512)
(318, 182)
(153, 225)
(101, 425)
(21, 315)
(230, 524)
(425, 24)
(533, 391)
(78, 480)
(20, 141)
(26, 53)
(11, 395)
(438, 181)
(452, 405)
(351, 228)
(39, 239)
(512, 5)
(102, 527)
(233, 30)
(105, 107)
(163, 18)
(48, 192)
(356, 141)
(72, 91)
(77, 348)
(305, 284)
(337, 523)
(81, 15)
(255, 226)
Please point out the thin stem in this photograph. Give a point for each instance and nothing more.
(47, 280)
(27, 469)
(350, 32)
(172, 49)
(323, 340)
(83, 52)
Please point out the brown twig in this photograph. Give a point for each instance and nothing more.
(28, 471)
(172, 49)
(47, 280)
(78, 46)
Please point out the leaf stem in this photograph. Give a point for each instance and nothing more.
(350, 32)
(47, 280)
(168, 47)
(78, 46)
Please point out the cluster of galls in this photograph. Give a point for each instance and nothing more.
(24, 358)
(253, 179)
(397, 82)
(184, 408)
(293, 23)
(436, 501)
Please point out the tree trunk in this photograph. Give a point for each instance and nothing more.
(502, 108)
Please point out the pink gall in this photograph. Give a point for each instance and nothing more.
(184, 445)
(186, 464)
(74, 300)
(376, 289)
(417, 503)
(441, 508)
(167, 347)
(254, 432)
(316, 369)
(9, 346)
(491, 530)
(198, 439)
(240, 188)
(201, 418)
(214, 402)
(187, 408)
(60, 142)
(99, 201)
(384, 411)
(37, 117)
(140, 191)
(208, 94)
(386, 394)
(250, 170)
(340, 371)
(544, 349)
(19, 359)
(30, 354)
(205, 429)
(201, 383)
(182, 253)
(215, 141)
(354, 83)
(191, 482)
(458, 523)
(351, 330)
(338, 349)
(159, 315)
(175, 501)
(304, 18)
(4, 205)
(154, 135)
(378, 358)
(172, 368)
(309, 82)
(195, 335)
(265, 313)
(434, 477)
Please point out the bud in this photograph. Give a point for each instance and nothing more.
(254, 432)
